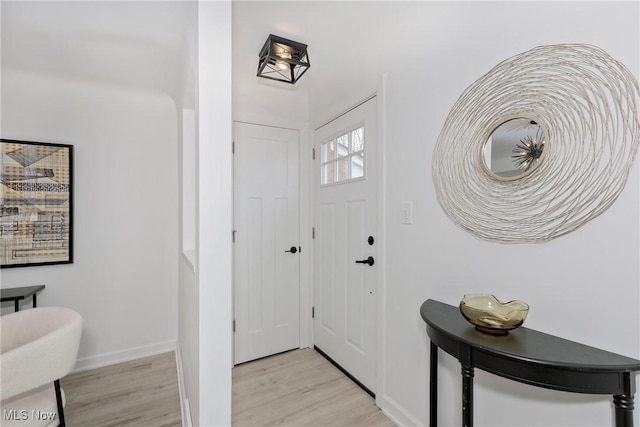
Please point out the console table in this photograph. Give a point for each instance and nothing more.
(527, 356)
(17, 294)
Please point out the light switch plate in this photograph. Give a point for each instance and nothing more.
(407, 213)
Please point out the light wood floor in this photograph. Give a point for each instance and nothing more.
(293, 389)
(139, 393)
(300, 388)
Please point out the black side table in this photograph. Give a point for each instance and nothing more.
(17, 294)
(527, 356)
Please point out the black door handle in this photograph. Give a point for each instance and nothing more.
(369, 261)
(293, 250)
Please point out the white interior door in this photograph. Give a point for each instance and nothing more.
(266, 252)
(345, 225)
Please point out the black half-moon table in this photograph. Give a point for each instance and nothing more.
(527, 356)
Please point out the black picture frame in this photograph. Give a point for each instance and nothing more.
(36, 203)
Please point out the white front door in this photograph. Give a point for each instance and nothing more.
(266, 252)
(345, 240)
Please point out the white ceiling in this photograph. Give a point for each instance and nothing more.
(137, 44)
(343, 38)
(147, 44)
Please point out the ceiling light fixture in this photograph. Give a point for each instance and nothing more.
(283, 60)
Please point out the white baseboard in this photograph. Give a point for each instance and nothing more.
(396, 413)
(185, 409)
(188, 414)
(106, 359)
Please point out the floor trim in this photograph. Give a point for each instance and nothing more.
(344, 371)
(267, 356)
(98, 361)
(185, 411)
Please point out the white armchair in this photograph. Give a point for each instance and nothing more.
(38, 347)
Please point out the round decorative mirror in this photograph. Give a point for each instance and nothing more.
(514, 149)
(529, 153)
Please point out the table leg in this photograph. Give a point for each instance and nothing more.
(433, 387)
(624, 410)
(16, 305)
(34, 300)
(467, 396)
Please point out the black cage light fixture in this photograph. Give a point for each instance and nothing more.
(283, 60)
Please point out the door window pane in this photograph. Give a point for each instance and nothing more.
(343, 150)
(343, 140)
(357, 140)
(328, 151)
(328, 173)
(342, 158)
(357, 165)
(343, 169)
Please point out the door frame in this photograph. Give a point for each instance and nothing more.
(379, 95)
(304, 201)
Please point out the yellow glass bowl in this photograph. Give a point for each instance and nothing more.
(491, 316)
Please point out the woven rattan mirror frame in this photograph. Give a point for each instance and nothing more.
(587, 103)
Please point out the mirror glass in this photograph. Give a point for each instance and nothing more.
(514, 149)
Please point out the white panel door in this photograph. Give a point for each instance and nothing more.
(345, 225)
(266, 252)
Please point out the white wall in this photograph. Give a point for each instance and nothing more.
(583, 286)
(569, 283)
(123, 279)
(111, 78)
(215, 212)
(205, 296)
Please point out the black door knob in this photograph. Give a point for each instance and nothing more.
(369, 261)
(293, 250)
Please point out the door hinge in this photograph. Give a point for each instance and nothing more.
(234, 325)
(313, 232)
(313, 153)
(313, 312)
(233, 236)
(233, 148)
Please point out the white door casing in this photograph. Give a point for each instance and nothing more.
(266, 226)
(345, 292)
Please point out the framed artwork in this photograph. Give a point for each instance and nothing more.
(36, 203)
